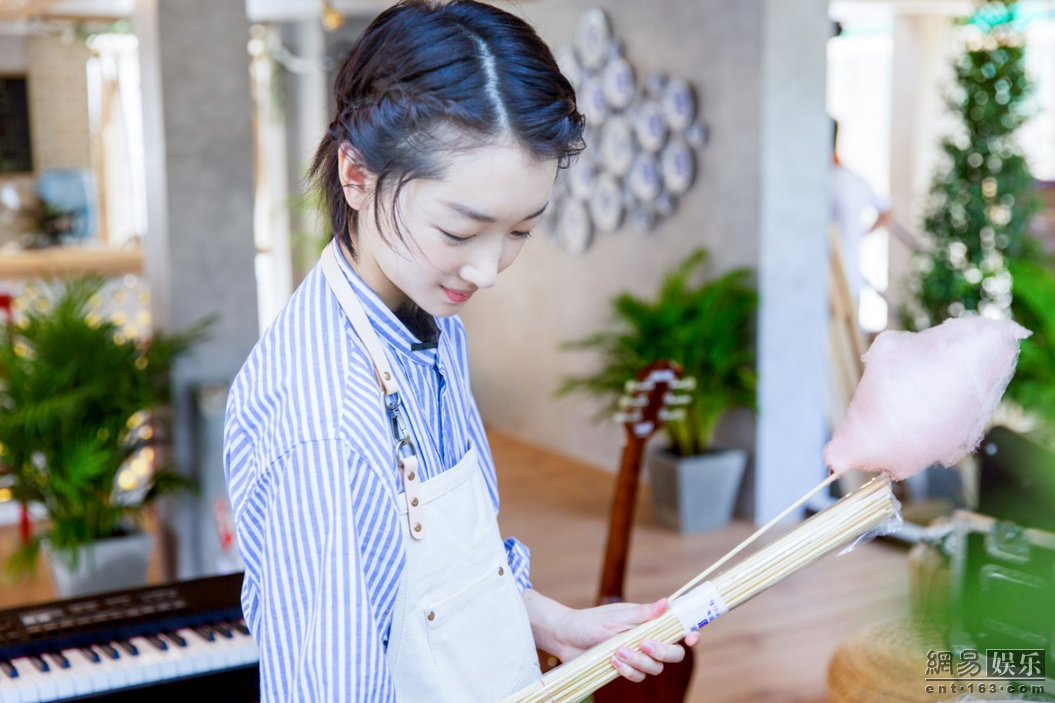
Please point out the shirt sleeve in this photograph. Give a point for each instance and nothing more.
(313, 623)
(520, 561)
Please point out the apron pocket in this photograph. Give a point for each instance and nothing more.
(480, 638)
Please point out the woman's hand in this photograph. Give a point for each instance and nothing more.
(566, 633)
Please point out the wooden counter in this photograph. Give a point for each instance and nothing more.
(44, 263)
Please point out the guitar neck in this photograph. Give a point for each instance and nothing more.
(621, 520)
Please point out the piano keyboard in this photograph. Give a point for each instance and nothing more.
(180, 641)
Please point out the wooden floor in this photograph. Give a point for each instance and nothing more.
(774, 649)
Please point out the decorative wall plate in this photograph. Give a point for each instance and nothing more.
(678, 166)
(641, 141)
(679, 104)
(650, 126)
(592, 100)
(575, 229)
(697, 135)
(618, 79)
(606, 205)
(582, 178)
(617, 145)
(568, 64)
(593, 33)
(643, 220)
(645, 179)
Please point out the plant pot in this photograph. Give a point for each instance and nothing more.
(696, 493)
(113, 564)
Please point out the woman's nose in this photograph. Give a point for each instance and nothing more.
(483, 268)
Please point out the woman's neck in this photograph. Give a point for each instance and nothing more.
(366, 268)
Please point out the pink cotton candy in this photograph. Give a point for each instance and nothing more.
(926, 397)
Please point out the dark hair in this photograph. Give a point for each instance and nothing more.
(428, 78)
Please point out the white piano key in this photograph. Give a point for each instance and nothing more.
(59, 683)
(195, 657)
(18, 689)
(123, 671)
(82, 685)
(167, 659)
(31, 686)
(48, 688)
(247, 651)
(98, 679)
(128, 667)
(147, 659)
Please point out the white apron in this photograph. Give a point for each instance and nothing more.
(460, 631)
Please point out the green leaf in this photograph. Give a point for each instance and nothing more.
(708, 327)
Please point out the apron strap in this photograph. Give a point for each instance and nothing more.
(360, 323)
(409, 469)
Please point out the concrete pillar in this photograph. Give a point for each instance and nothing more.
(793, 201)
(199, 245)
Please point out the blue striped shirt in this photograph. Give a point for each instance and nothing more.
(310, 469)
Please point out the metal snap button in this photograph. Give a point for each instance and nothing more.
(417, 527)
(414, 502)
(431, 616)
(388, 376)
(501, 571)
(411, 475)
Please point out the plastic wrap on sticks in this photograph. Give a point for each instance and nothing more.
(888, 527)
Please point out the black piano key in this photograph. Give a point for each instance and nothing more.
(60, 659)
(91, 654)
(175, 638)
(128, 647)
(205, 633)
(9, 669)
(40, 664)
(240, 626)
(223, 629)
(158, 643)
(109, 651)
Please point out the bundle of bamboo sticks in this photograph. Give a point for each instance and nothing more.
(872, 506)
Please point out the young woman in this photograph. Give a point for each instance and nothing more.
(356, 460)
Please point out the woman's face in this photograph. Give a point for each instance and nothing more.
(461, 231)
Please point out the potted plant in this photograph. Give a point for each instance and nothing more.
(707, 327)
(76, 395)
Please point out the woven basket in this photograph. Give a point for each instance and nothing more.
(884, 663)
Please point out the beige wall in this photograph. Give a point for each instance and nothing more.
(549, 296)
(761, 200)
(58, 95)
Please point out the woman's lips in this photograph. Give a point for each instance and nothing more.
(457, 296)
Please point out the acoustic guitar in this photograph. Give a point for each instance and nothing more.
(650, 402)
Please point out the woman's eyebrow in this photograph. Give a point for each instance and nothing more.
(481, 217)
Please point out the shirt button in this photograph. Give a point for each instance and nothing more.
(417, 527)
(501, 571)
(414, 502)
(431, 616)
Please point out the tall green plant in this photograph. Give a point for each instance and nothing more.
(982, 199)
(70, 388)
(707, 327)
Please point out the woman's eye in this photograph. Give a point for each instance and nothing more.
(522, 235)
(456, 240)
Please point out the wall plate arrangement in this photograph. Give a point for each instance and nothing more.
(642, 141)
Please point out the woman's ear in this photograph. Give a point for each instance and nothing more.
(354, 177)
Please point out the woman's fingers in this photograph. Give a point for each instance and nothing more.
(649, 661)
(671, 653)
(635, 665)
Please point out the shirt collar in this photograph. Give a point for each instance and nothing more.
(387, 326)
